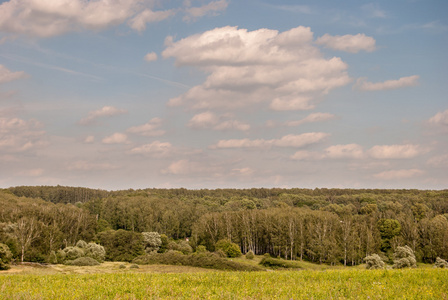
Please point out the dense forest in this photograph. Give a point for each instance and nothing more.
(332, 226)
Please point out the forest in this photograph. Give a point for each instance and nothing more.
(327, 226)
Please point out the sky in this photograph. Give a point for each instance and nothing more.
(118, 94)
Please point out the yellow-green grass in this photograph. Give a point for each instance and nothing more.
(328, 284)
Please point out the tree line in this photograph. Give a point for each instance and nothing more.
(333, 226)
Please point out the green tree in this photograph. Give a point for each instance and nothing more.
(229, 248)
(122, 245)
(5, 257)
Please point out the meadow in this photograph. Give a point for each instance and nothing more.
(108, 281)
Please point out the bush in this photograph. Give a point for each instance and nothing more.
(121, 245)
(72, 253)
(134, 267)
(441, 263)
(52, 258)
(60, 256)
(404, 258)
(276, 263)
(374, 262)
(5, 257)
(122, 266)
(201, 248)
(152, 241)
(81, 244)
(82, 261)
(229, 248)
(220, 253)
(250, 255)
(202, 260)
(95, 251)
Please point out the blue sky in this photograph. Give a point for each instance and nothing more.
(224, 94)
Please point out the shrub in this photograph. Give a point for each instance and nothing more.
(134, 267)
(60, 255)
(220, 253)
(275, 263)
(95, 251)
(121, 245)
(72, 253)
(250, 255)
(201, 248)
(82, 261)
(52, 258)
(185, 248)
(229, 248)
(441, 263)
(81, 244)
(202, 260)
(122, 266)
(404, 258)
(152, 241)
(374, 262)
(5, 257)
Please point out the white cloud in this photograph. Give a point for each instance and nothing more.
(441, 118)
(89, 139)
(243, 171)
(284, 70)
(83, 165)
(354, 151)
(17, 135)
(47, 18)
(188, 167)
(156, 147)
(116, 138)
(7, 76)
(349, 43)
(209, 120)
(212, 8)
(307, 155)
(151, 57)
(152, 128)
(398, 174)
(364, 85)
(293, 141)
(148, 16)
(106, 111)
(395, 151)
(311, 118)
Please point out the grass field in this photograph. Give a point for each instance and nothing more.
(173, 282)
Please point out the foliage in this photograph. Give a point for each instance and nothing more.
(95, 251)
(82, 261)
(122, 267)
(134, 267)
(81, 244)
(72, 253)
(250, 255)
(229, 248)
(374, 262)
(201, 248)
(202, 260)
(5, 257)
(441, 263)
(276, 263)
(152, 241)
(404, 258)
(121, 245)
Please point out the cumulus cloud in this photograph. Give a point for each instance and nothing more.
(151, 57)
(212, 8)
(51, 18)
(349, 43)
(32, 172)
(441, 118)
(187, 167)
(7, 75)
(363, 85)
(344, 151)
(149, 16)
(89, 139)
(155, 148)
(438, 161)
(355, 151)
(284, 70)
(311, 118)
(398, 174)
(18, 135)
(116, 138)
(106, 111)
(395, 151)
(243, 171)
(152, 128)
(291, 140)
(209, 120)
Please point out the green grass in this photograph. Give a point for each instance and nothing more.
(328, 284)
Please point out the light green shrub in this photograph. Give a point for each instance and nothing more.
(441, 263)
(5, 257)
(229, 248)
(374, 262)
(250, 255)
(82, 261)
(404, 258)
(95, 251)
